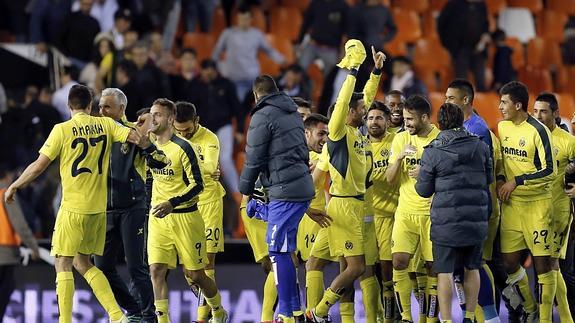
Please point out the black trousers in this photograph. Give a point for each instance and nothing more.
(7, 285)
(568, 271)
(128, 228)
(466, 59)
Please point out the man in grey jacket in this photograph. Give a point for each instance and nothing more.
(13, 230)
(277, 152)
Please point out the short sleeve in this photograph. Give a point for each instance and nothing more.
(119, 133)
(53, 145)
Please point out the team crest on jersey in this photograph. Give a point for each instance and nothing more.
(125, 148)
(384, 153)
(556, 151)
(348, 245)
(522, 142)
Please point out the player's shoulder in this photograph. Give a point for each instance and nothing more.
(538, 128)
(208, 135)
(182, 145)
(562, 135)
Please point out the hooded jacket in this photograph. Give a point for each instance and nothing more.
(277, 152)
(457, 168)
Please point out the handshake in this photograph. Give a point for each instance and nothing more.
(355, 55)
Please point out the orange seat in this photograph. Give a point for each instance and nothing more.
(429, 53)
(285, 22)
(518, 56)
(429, 24)
(419, 6)
(219, 22)
(535, 6)
(282, 45)
(316, 76)
(396, 48)
(258, 18)
(570, 84)
(495, 6)
(566, 105)
(565, 6)
(408, 25)
(543, 53)
(550, 25)
(202, 43)
(487, 106)
(300, 5)
(537, 79)
(429, 78)
(436, 99)
(437, 4)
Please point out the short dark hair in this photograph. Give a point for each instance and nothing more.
(142, 111)
(265, 84)
(518, 92)
(463, 85)
(189, 50)
(549, 98)
(314, 119)
(378, 105)
(168, 104)
(79, 97)
(449, 116)
(301, 102)
(403, 59)
(419, 104)
(355, 98)
(72, 71)
(208, 63)
(396, 92)
(185, 111)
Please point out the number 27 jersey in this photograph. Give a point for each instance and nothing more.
(83, 144)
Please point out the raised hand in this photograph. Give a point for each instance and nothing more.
(378, 58)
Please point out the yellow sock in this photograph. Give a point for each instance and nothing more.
(328, 300)
(65, 293)
(529, 304)
(402, 288)
(215, 303)
(547, 288)
(388, 301)
(313, 288)
(470, 315)
(162, 312)
(421, 296)
(561, 298)
(346, 311)
(270, 298)
(370, 292)
(101, 288)
(479, 316)
(286, 319)
(203, 307)
(432, 302)
(446, 321)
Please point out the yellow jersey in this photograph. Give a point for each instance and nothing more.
(497, 171)
(564, 149)
(180, 182)
(368, 179)
(395, 129)
(385, 196)
(319, 200)
(409, 201)
(345, 145)
(207, 146)
(527, 151)
(83, 145)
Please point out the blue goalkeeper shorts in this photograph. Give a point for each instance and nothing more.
(283, 221)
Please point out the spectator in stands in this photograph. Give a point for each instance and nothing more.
(161, 57)
(503, 71)
(372, 23)
(46, 19)
(217, 105)
(303, 107)
(21, 128)
(68, 77)
(568, 46)
(40, 105)
(464, 31)
(78, 32)
(103, 11)
(122, 24)
(404, 79)
(294, 82)
(326, 22)
(124, 78)
(100, 72)
(198, 12)
(241, 45)
(181, 84)
(131, 38)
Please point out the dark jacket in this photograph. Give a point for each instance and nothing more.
(277, 149)
(457, 168)
(461, 23)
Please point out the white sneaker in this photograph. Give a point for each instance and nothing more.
(510, 295)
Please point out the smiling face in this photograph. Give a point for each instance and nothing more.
(509, 110)
(316, 137)
(395, 105)
(357, 114)
(376, 123)
(110, 107)
(162, 119)
(414, 123)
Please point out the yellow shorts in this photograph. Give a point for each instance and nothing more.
(492, 228)
(383, 229)
(561, 227)
(256, 233)
(213, 215)
(527, 225)
(370, 241)
(79, 233)
(345, 234)
(411, 231)
(177, 236)
(320, 248)
(306, 236)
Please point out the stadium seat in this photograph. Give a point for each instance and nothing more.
(285, 22)
(430, 54)
(202, 43)
(550, 25)
(258, 18)
(282, 45)
(316, 76)
(301, 5)
(543, 53)
(429, 78)
(495, 6)
(429, 24)
(436, 5)
(566, 105)
(219, 22)
(570, 76)
(518, 23)
(537, 79)
(565, 6)
(408, 25)
(436, 99)
(535, 6)
(396, 48)
(419, 6)
(487, 106)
